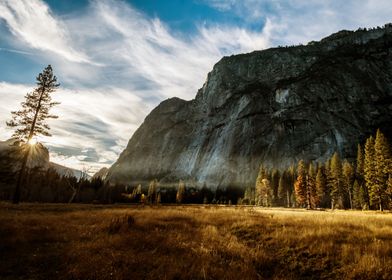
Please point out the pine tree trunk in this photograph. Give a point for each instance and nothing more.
(351, 199)
(309, 206)
(288, 198)
(16, 197)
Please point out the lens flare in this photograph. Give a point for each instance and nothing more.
(32, 141)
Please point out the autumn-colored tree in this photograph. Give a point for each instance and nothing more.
(180, 192)
(300, 185)
(30, 121)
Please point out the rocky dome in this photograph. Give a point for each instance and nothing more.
(274, 106)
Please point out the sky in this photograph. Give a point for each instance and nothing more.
(116, 60)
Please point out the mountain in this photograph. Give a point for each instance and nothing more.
(274, 106)
(67, 171)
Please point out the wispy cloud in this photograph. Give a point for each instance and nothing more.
(93, 126)
(115, 63)
(16, 51)
(101, 106)
(298, 21)
(31, 22)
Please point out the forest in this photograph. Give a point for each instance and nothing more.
(365, 183)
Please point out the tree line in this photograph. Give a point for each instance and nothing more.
(365, 183)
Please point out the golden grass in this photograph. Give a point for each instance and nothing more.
(56, 241)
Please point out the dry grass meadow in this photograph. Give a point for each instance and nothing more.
(55, 241)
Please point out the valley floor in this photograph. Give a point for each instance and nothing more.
(58, 241)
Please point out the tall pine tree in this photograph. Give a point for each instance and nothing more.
(382, 158)
(336, 181)
(389, 190)
(312, 196)
(360, 177)
(322, 187)
(360, 163)
(348, 181)
(30, 121)
(284, 190)
(275, 176)
(370, 175)
(300, 185)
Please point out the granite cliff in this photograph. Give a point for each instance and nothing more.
(274, 106)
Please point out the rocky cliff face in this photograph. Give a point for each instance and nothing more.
(274, 106)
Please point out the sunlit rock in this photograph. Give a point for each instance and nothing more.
(274, 106)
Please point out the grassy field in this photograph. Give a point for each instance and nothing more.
(56, 241)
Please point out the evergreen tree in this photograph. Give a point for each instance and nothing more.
(248, 196)
(360, 199)
(31, 120)
(275, 176)
(266, 193)
(375, 194)
(300, 185)
(348, 180)
(389, 190)
(284, 190)
(291, 178)
(336, 181)
(360, 177)
(312, 196)
(360, 163)
(382, 160)
(322, 188)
